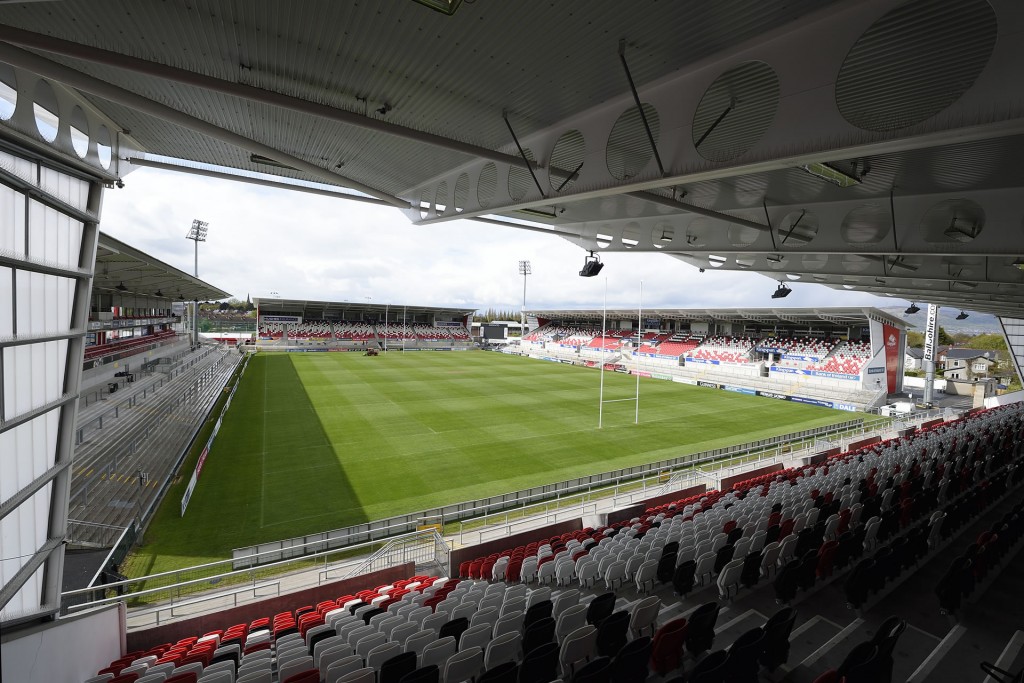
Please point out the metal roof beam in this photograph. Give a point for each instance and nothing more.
(68, 48)
(76, 79)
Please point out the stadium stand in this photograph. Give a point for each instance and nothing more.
(725, 349)
(581, 602)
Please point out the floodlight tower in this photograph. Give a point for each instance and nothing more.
(524, 270)
(197, 233)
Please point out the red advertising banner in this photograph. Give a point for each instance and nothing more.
(891, 337)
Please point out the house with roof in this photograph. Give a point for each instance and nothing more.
(913, 358)
(966, 364)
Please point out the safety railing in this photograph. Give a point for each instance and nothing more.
(422, 548)
(212, 586)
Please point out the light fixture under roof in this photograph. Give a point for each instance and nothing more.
(158, 293)
(448, 7)
(591, 265)
(267, 161)
(120, 287)
(538, 213)
(912, 309)
(831, 174)
(781, 292)
(962, 316)
(959, 228)
(774, 258)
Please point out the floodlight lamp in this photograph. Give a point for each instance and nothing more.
(831, 174)
(782, 291)
(158, 293)
(962, 316)
(591, 265)
(120, 287)
(912, 309)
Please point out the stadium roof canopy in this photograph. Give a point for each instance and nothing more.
(871, 146)
(764, 316)
(323, 308)
(125, 270)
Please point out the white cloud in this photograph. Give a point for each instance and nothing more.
(306, 246)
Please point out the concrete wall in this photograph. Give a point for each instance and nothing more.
(196, 626)
(68, 650)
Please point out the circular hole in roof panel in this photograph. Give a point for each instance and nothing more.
(630, 235)
(441, 198)
(461, 192)
(566, 158)
(953, 220)
(47, 112)
(103, 149)
(629, 151)
(914, 62)
(425, 204)
(662, 235)
(487, 184)
(742, 235)
(866, 224)
(519, 179)
(8, 91)
(735, 111)
(79, 131)
(796, 229)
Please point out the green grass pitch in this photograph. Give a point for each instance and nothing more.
(318, 441)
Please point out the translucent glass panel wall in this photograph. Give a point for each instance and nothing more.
(47, 250)
(1013, 328)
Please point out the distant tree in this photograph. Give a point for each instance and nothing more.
(945, 339)
(986, 342)
(224, 306)
(915, 339)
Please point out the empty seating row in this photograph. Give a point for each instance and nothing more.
(122, 345)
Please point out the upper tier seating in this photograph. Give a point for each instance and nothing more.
(724, 349)
(431, 333)
(310, 329)
(800, 346)
(848, 358)
(122, 345)
(395, 331)
(576, 336)
(355, 331)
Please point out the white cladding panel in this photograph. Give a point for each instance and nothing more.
(22, 533)
(12, 215)
(30, 449)
(33, 375)
(54, 238)
(6, 300)
(69, 189)
(43, 303)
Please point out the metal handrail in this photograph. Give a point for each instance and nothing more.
(215, 578)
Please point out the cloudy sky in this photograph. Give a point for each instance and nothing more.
(264, 240)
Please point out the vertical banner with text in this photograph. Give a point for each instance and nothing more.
(891, 338)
